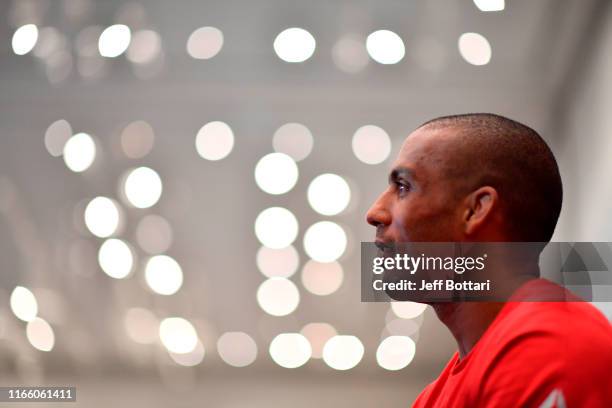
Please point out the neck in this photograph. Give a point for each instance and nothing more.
(467, 321)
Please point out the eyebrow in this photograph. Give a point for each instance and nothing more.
(401, 172)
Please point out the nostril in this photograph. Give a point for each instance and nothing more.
(373, 218)
(370, 219)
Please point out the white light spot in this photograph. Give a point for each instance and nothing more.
(102, 217)
(137, 139)
(325, 241)
(163, 275)
(145, 47)
(385, 47)
(290, 350)
(281, 263)
(475, 48)
(322, 278)
(318, 334)
(490, 5)
(294, 45)
(408, 310)
(193, 358)
(141, 325)
(214, 141)
(395, 352)
(114, 40)
(205, 42)
(56, 136)
(349, 54)
(115, 258)
(40, 334)
(276, 227)
(276, 173)
(178, 335)
(24, 304)
(79, 152)
(143, 187)
(293, 139)
(237, 349)
(329, 194)
(278, 296)
(24, 39)
(343, 352)
(371, 144)
(154, 234)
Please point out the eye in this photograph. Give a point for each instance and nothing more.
(402, 188)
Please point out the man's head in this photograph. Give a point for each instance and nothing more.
(472, 177)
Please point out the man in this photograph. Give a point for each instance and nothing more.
(486, 178)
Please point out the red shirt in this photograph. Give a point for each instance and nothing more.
(534, 354)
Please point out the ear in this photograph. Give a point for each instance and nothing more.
(479, 208)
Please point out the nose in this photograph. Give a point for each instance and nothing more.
(378, 215)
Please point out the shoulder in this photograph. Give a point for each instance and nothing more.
(539, 345)
(572, 332)
(574, 323)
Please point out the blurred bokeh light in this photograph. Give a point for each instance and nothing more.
(276, 227)
(385, 47)
(142, 187)
(325, 241)
(342, 352)
(475, 48)
(290, 350)
(237, 349)
(395, 352)
(371, 144)
(205, 42)
(116, 258)
(24, 304)
(278, 262)
(214, 141)
(114, 40)
(102, 217)
(278, 296)
(293, 139)
(79, 152)
(163, 275)
(329, 194)
(40, 334)
(178, 335)
(294, 45)
(24, 39)
(276, 173)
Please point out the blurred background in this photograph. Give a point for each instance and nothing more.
(183, 185)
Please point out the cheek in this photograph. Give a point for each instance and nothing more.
(418, 221)
(408, 215)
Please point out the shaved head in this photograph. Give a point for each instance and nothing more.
(491, 150)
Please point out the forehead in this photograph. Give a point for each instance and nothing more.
(427, 149)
